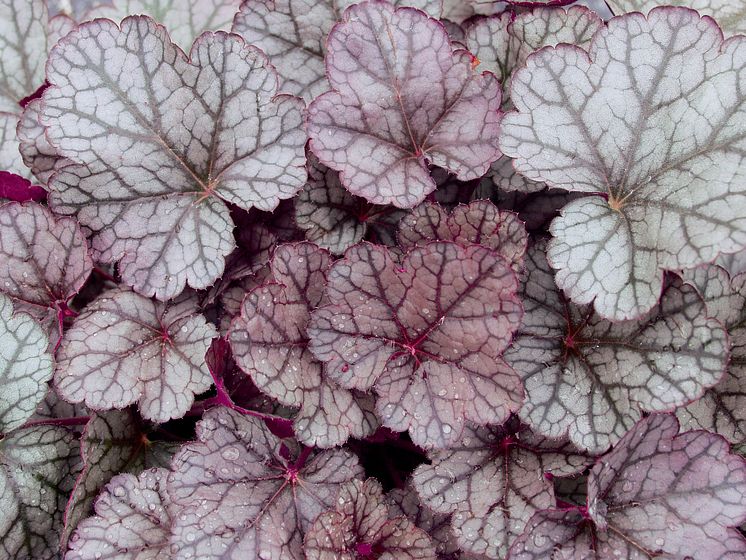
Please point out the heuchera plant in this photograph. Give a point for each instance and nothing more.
(410, 280)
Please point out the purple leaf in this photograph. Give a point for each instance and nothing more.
(173, 154)
(731, 16)
(37, 470)
(655, 495)
(112, 443)
(25, 366)
(333, 218)
(133, 519)
(402, 97)
(44, 262)
(18, 189)
(126, 349)
(668, 171)
(241, 498)
(406, 502)
(185, 21)
(270, 344)
(232, 298)
(360, 525)
(479, 222)
(426, 334)
(591, 379)
(538, 209)
(492, 482)
(722, 409)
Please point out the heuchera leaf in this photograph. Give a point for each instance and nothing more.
(293, 34)
(125, 349)
(731, 16)
(401, 97)
(722, 409)
(133, 520)
(502, 43)
(44, 260)
(18, 189)
(668, 171)
(25, 366)
(112, 443)
(734, 263)
(656, 495)
(185, 21)
(182, 137)
(270, 344)
(492, 482)
(240, 497)
(478, 222)
(437, 525)
(333, 218)
(360, 525)
(38, 155)
(591, 379)
(23, 42)
(37, 469)
(427, 335)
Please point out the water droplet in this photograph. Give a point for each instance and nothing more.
(230, 454)
(447, 428)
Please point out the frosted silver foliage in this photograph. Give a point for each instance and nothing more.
(159, 143)
(668, 170)
(437, 525)
(132, 520)
(492, 482)
(591, 379)
(361, 521)
(25, 366)
(270, 343)
(44, 260)
(426, 334)
(125, 349)
(335, 219)
(38, 155)
(722, 409)
(10, 157)
(402, 97)
(184, 20)
(23, 42)
(479, 222)
(730, 15)
(656, 495)
(239, 498)
(502, 43)
(293, 34)
(113, 442)
(37, 470)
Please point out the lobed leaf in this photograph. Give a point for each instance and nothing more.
(38, 155)
(492, 482)
(185, 21)
(25, 366)
(270, 343)
(479, 222)
(333, 218)
(731, 16)
(655, 495)
(112, 443)
(37, 469)
(158, 149)
(361, 525)
(591, 379)
(125, 349)
(406, 502)
(45, 260)
(722, 409)
(402, 97)
(133, 520)
(426, 335)
(241, 498)
(667, 170)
